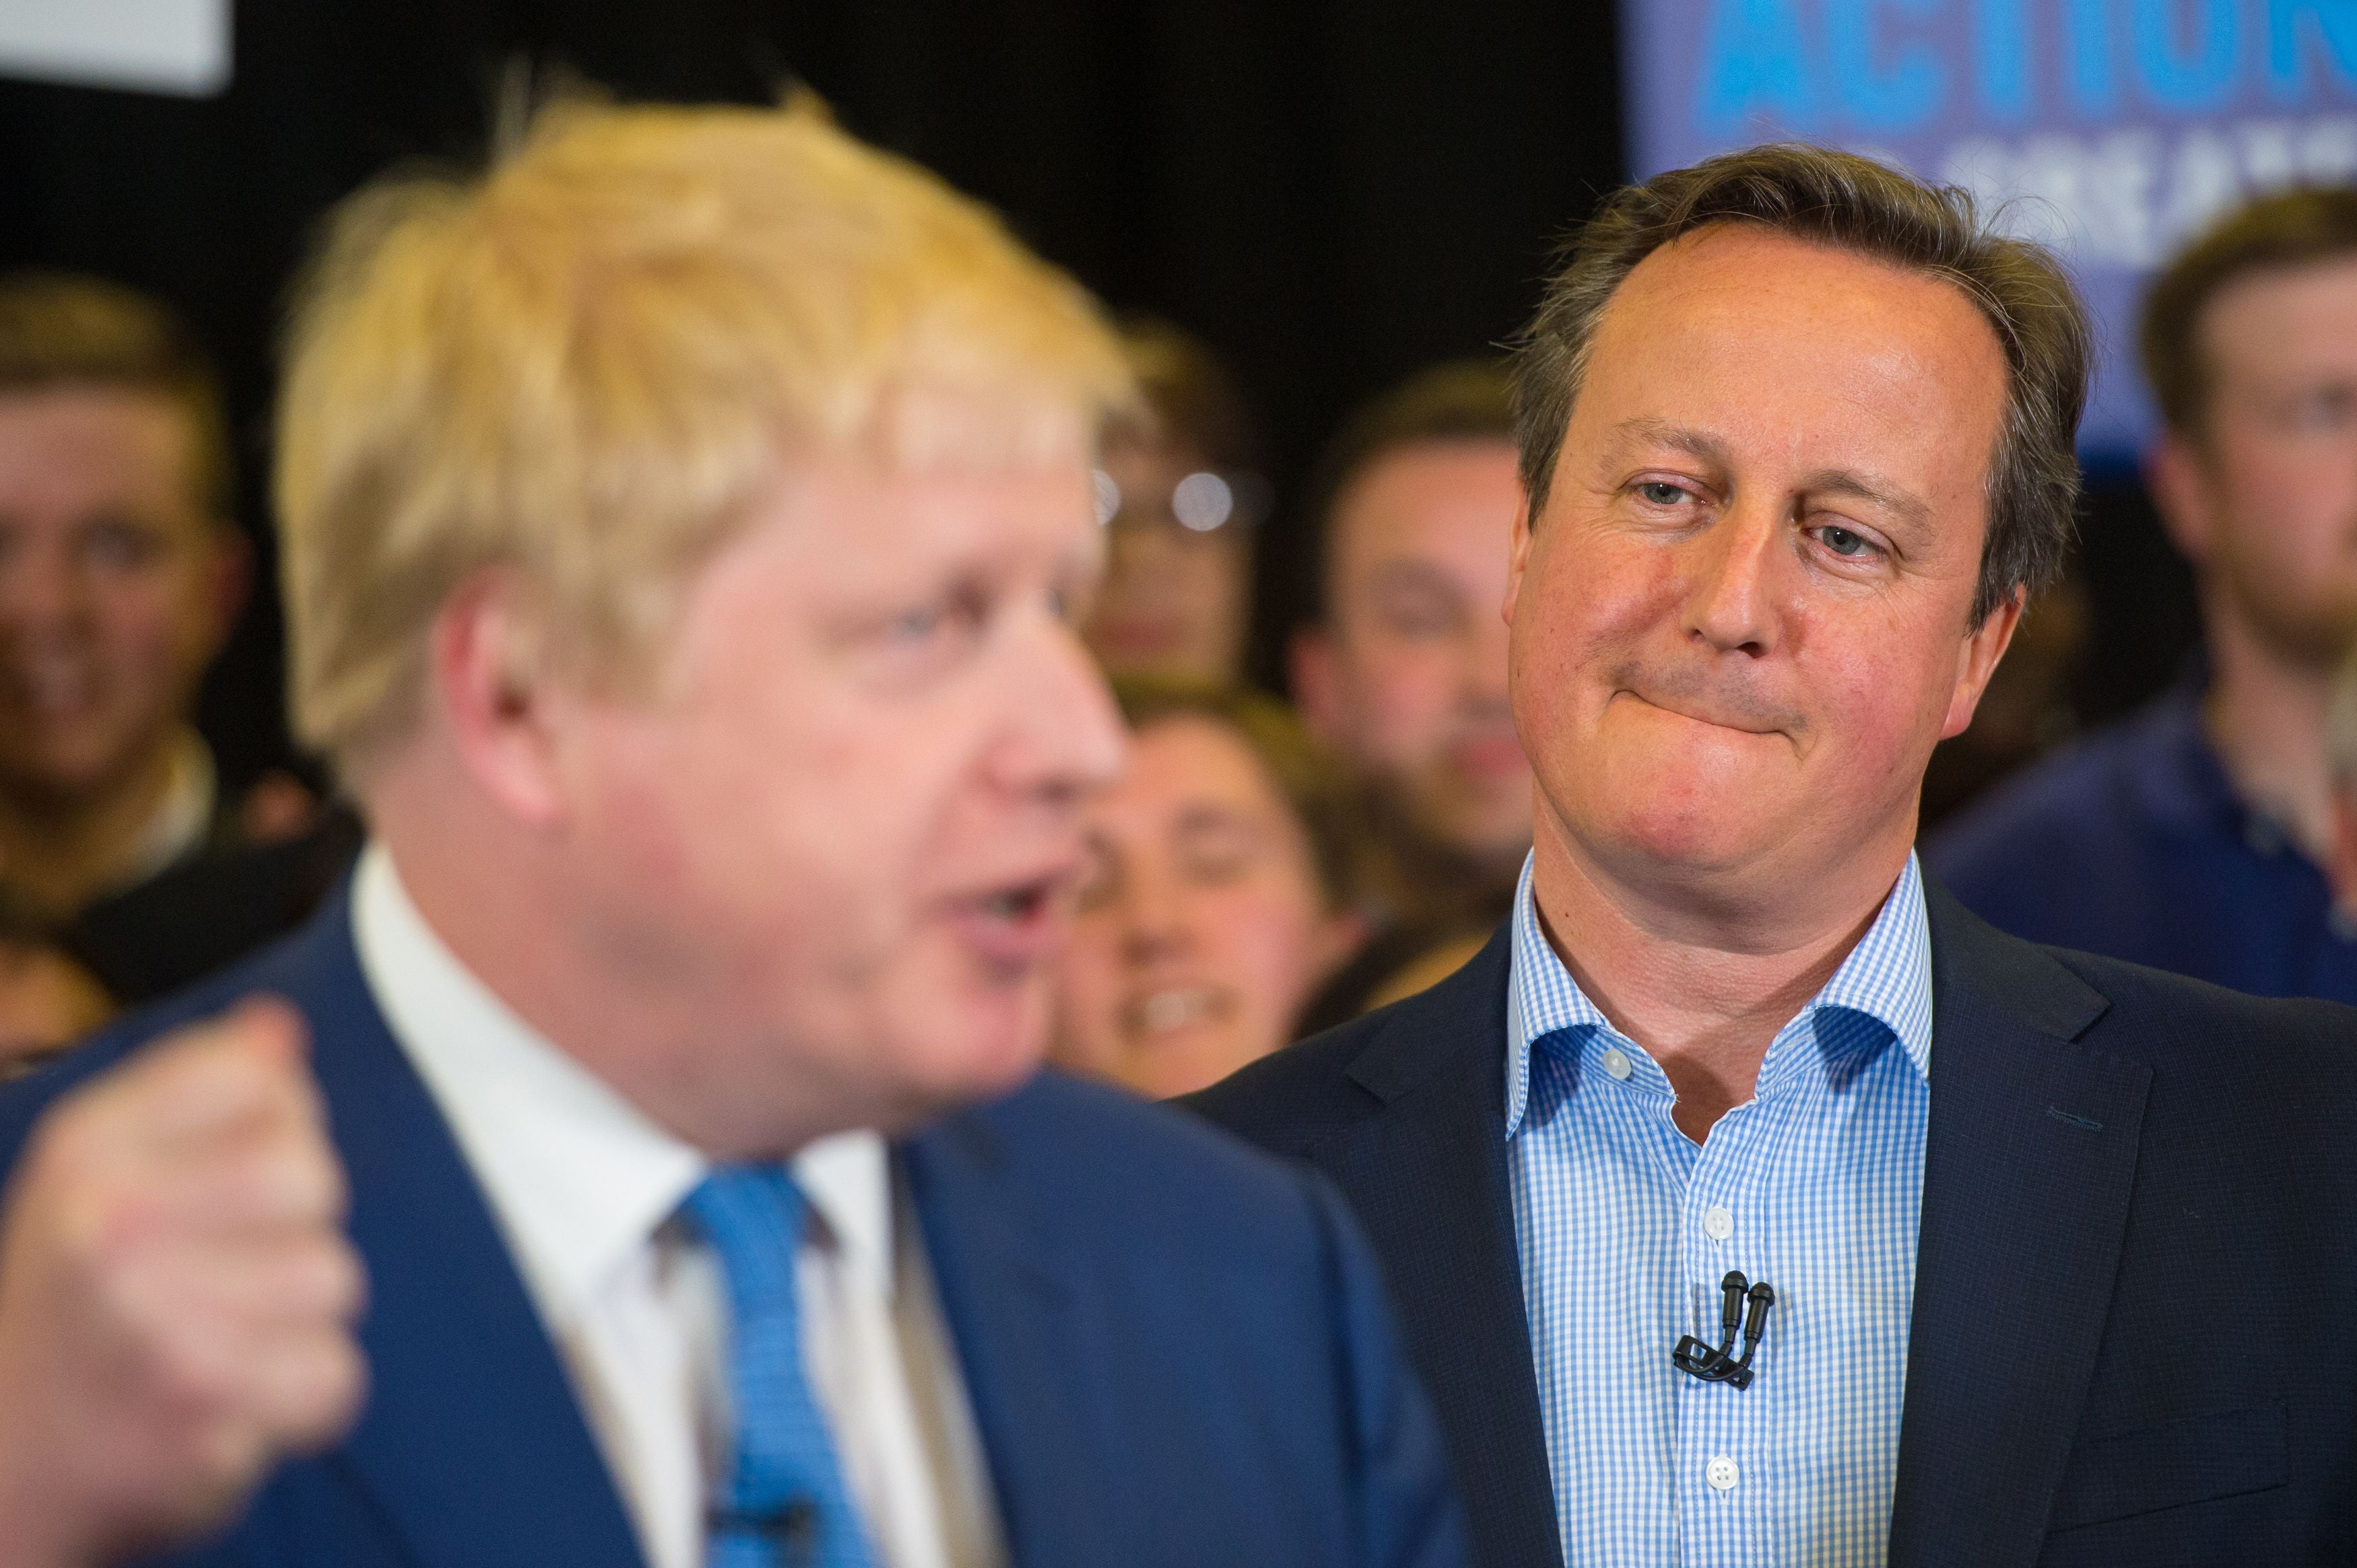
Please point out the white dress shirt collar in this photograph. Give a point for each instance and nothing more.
(578, 1176)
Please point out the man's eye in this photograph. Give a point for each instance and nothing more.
(1657, 492)
(121, 546)
(1842, 542)
(915, 626)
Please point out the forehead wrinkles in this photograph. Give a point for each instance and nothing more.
(1728, 318)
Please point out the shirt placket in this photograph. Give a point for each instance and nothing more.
(1723, 1481)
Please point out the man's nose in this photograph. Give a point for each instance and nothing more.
(41, 593)
(1152, 915)
(1730, 570)
(1067, 737)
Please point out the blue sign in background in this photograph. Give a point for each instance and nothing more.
(2112, 129)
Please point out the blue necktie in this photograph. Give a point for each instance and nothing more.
(782, 1502)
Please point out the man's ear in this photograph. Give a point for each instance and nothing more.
(1314, 672)
(1519, 558)
(493, 676)
(2179, 482)
(229, 581)
(1977, 660)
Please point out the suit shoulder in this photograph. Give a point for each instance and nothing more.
(2153, 1006)
(1290, 1097)
(275, 969)
(1067, 1123)
(1096, 1162)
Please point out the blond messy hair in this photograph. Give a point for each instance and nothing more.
(584, 365)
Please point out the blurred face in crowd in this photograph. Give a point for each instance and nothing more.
(1202, 925)
(115, 588)
(838, 840)
(1744, 619)
(2263, 499)
(1409, 676)
(1175, 597)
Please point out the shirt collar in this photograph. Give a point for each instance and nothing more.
(578, 1176)
(182, 817)
(1886, 978)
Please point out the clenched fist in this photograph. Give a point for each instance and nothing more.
(176, 1295)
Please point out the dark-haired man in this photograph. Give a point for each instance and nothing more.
(2009, 1242)
(119, 578)
(1401, 669)
(2194, 836)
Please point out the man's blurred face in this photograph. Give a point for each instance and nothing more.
(2275, 469)
(114, 587)
(1409, 676)
(1745, 617)
(848, 821)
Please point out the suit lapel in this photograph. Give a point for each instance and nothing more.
(2027, 1167)
(1025, 1344)
(1427, 1176)
(472, 1443)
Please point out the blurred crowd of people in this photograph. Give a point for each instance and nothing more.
(1269, 865)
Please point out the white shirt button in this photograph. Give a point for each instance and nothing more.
(1717, 1224)
(1615, 1062)
(1722, 1473)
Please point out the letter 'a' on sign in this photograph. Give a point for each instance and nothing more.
(142, 46)
(2111, 129)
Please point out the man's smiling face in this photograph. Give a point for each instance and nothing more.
(1744, 619)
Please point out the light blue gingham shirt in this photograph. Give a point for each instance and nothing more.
(1625, 1228)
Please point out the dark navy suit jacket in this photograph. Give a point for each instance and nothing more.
(1176, 1349)
(2134, 1329)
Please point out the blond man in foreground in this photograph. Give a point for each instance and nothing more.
(685, 527)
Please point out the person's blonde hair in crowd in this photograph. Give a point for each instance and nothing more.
(581, 365)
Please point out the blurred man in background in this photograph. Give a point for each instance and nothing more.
(2194, 836)
(124, 869)
(685, 525)
(1403, 668)
(1216, 896)
(2340, 765)
(1180, 494)
(120, 575)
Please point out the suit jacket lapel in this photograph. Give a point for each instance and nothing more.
(2027, 1167)
(472, 1442)
(1427, 1178)
(1025, 1343)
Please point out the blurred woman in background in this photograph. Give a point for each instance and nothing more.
(1214, 904)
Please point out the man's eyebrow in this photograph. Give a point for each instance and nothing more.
(1684, 438)
(1872, 489)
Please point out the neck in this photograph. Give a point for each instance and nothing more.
(1703, 983)
(58, 855)
(2264, 714)
(500, 896)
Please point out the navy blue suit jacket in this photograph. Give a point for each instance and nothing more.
(2132, 1337)
(1176, 1349)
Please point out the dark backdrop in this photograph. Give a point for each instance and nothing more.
(1332, 193)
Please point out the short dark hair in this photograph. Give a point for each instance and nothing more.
(1849, 203)
(1191, 397)
(1312, 783)
(2288, 228)
(60, 330)
(1461, 399)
